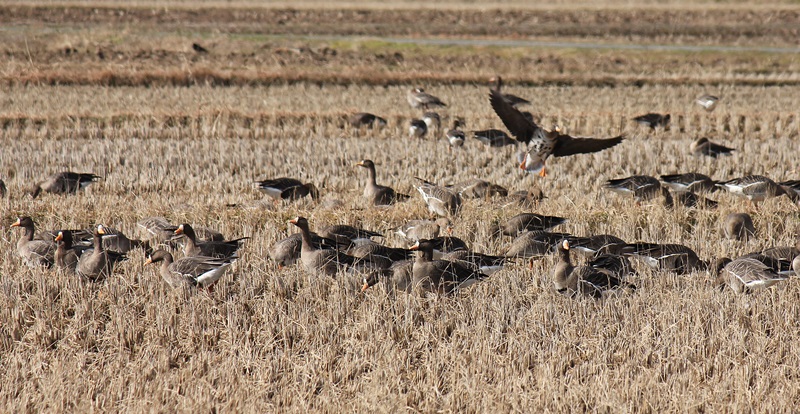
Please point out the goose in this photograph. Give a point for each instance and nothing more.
(432, 120)
(692, 200)
(443, 245)
(424, 229)
(417, 128)
(284, 188)
(653, 120)
(419, 99)
(117, 241)
(97, 264)
(286, 251)
(440, 200)
(316, 260)
(757, 188)
(739, 226)
(440, 276)
(365, 119)
(349, 236)
(746, 275)
(779, 265)
(455, 136)
(708, 102)
(66, 255)
(530, 222)
(527, 199)
(65, 182)
(597, 244)
(161, 231)
(512, 100)
(669, 257)
(381, 257)
(696, 182)
(199, 271)
(477, 188)
(34, 252)
(486, 264)
(642, 187)
(703, 146)
(3, 189)
(398, 277)
(379, 195)
(194, 247)
(533, 245)
(542, 144)
(590, 280)
(493, 138)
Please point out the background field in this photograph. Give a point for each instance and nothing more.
(117, 90)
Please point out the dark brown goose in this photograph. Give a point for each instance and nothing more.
(440, 276)
(349, 236)
(67, 255)
(653, 120)
(484, 263)
(315, 260)
(97, 264)
(455, 136)
(379, 195)
(440, 200)
(691, 200)
(200, 271)
(589, 280)
(365, 119)
(739, 226)
(757, 188)
(512, 100)
(696, 182)
(530, 222)
(284, 188)
(397, 278)
(380, 256)
(193, 247)
(66, 182)
(477, 188)
(419, 99)
(286, 252)
(542, 144)
(117, 241)
(669, 257)
(597, 244)
(34, 252)
(705, 147)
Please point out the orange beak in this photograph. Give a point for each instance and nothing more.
(148, 261)
(60, 236)
(365, 287)
(179, 230)
(16, 223)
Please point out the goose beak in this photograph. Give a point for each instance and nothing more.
(179, 230)
(365, 287)
(101, 230)
(148, 261)
(17, 223)
(293, 221)
(415, 246)
(60, 236)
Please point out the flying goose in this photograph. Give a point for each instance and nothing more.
(512, 100)
(284, 188)
(670, 257)
(746, 275)
(696, 182)
(417, 128)
(419, 99)
(708, 102)
(361, 119)
(440, 200)
(96, 264)
(440, 276)
(530, 222)
(33, 252)
(705, 147)
(653, 120)
(541, 144)
(200, 271)
(757, 188)
(589, 280)
(455, 136)
(379, 195)
(739, 226)
(194, 247)
(66, 182)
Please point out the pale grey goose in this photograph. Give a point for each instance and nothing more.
(96, 264)
(66, 182)
(708, 102)
(200, 271)
(419, 99)
(379, 195)
(440, 200)
(34, 252)
(746, 275)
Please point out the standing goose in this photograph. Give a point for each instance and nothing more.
(542, 144)
(440, 200)
(284, 188)
(419, 99)
(33, 252)
(200, 271)
(379, 195)
(589, 280)
(642, 187)
(757, 188)
(96, 264)
(708, 102)
(417, 128)
(746, 275)
(530, 222)
(670, 257)
(316, 260)
(512, 100)
(432, 120)
(66, 182)
(455, 136)
(193, 247)
(440, 276)
(424, 229)
(696, 182)
(361, 119)
(67, 255)
(705, 147)
(739, 226)
(653, 120)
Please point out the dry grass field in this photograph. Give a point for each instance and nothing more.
(118, 91)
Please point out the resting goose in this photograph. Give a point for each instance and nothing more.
(419, 99)
(66, 182)
(477, 188)
(512, 100)
(757, 188)
(193, 247)
(696, 182)
(286, 251)
(424, 229)
(739, 226)
(200, 271)
(746, 275)
(455, 136)
(440, 276)
(348, 236)
(379, 195)
(493, 138)
(284, 188)
(365, 119)
(653, 120)
(417, 128)
(589, 280)
(34, 252)
(398, 277)
(542, 144)
(642, 187)
(527, 199)
(117, 241)
(669, 257)
(67, 255)
(530, 222)
(96, 264)
(440, 200)
(316, 260)
(533, 245)
(705, 147)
